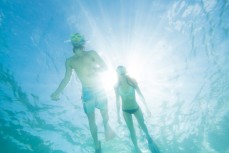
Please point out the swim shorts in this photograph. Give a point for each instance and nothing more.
(93, 98)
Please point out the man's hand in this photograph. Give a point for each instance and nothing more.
(55, 96)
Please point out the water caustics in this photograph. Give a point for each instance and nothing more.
(177, 50)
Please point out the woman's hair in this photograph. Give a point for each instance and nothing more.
(129, 80)
(121, 70)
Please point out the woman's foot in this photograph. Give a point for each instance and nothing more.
(152, 146)
(98, 148)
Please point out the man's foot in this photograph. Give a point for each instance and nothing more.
(109, 134)
(152, 146)
(98, 149)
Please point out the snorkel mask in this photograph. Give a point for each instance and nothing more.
(77, 40)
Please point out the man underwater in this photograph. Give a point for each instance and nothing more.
(88, 65)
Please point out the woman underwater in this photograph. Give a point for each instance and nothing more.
(125, 89)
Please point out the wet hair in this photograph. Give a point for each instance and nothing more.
(128, 79)
(121, 67)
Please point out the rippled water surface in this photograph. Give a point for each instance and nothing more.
(177, 50)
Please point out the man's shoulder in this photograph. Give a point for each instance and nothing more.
(69, 60)
(91, 52)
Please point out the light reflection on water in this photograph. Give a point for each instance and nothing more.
(176, 50)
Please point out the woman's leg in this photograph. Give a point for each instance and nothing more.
(129, 122)
(140, 119)
(152, 146)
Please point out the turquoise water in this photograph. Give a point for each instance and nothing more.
(177, 50)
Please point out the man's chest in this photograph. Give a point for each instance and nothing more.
(84, 63)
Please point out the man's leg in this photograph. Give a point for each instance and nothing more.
(93, 128)
(109, 133)
(89, 108)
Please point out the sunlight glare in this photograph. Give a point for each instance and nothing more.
(109, 79)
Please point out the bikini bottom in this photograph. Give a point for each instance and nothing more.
(130, 111)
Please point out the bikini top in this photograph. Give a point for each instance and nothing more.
(128, 93)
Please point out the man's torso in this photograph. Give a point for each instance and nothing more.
(86, 68)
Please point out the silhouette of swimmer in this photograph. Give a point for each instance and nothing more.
(125, 89)
(87, 65)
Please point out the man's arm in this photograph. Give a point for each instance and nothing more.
(64, 82)
(101, 64)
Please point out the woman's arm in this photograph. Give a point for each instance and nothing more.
(64, 82)
(135, 84)
(117, 104)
